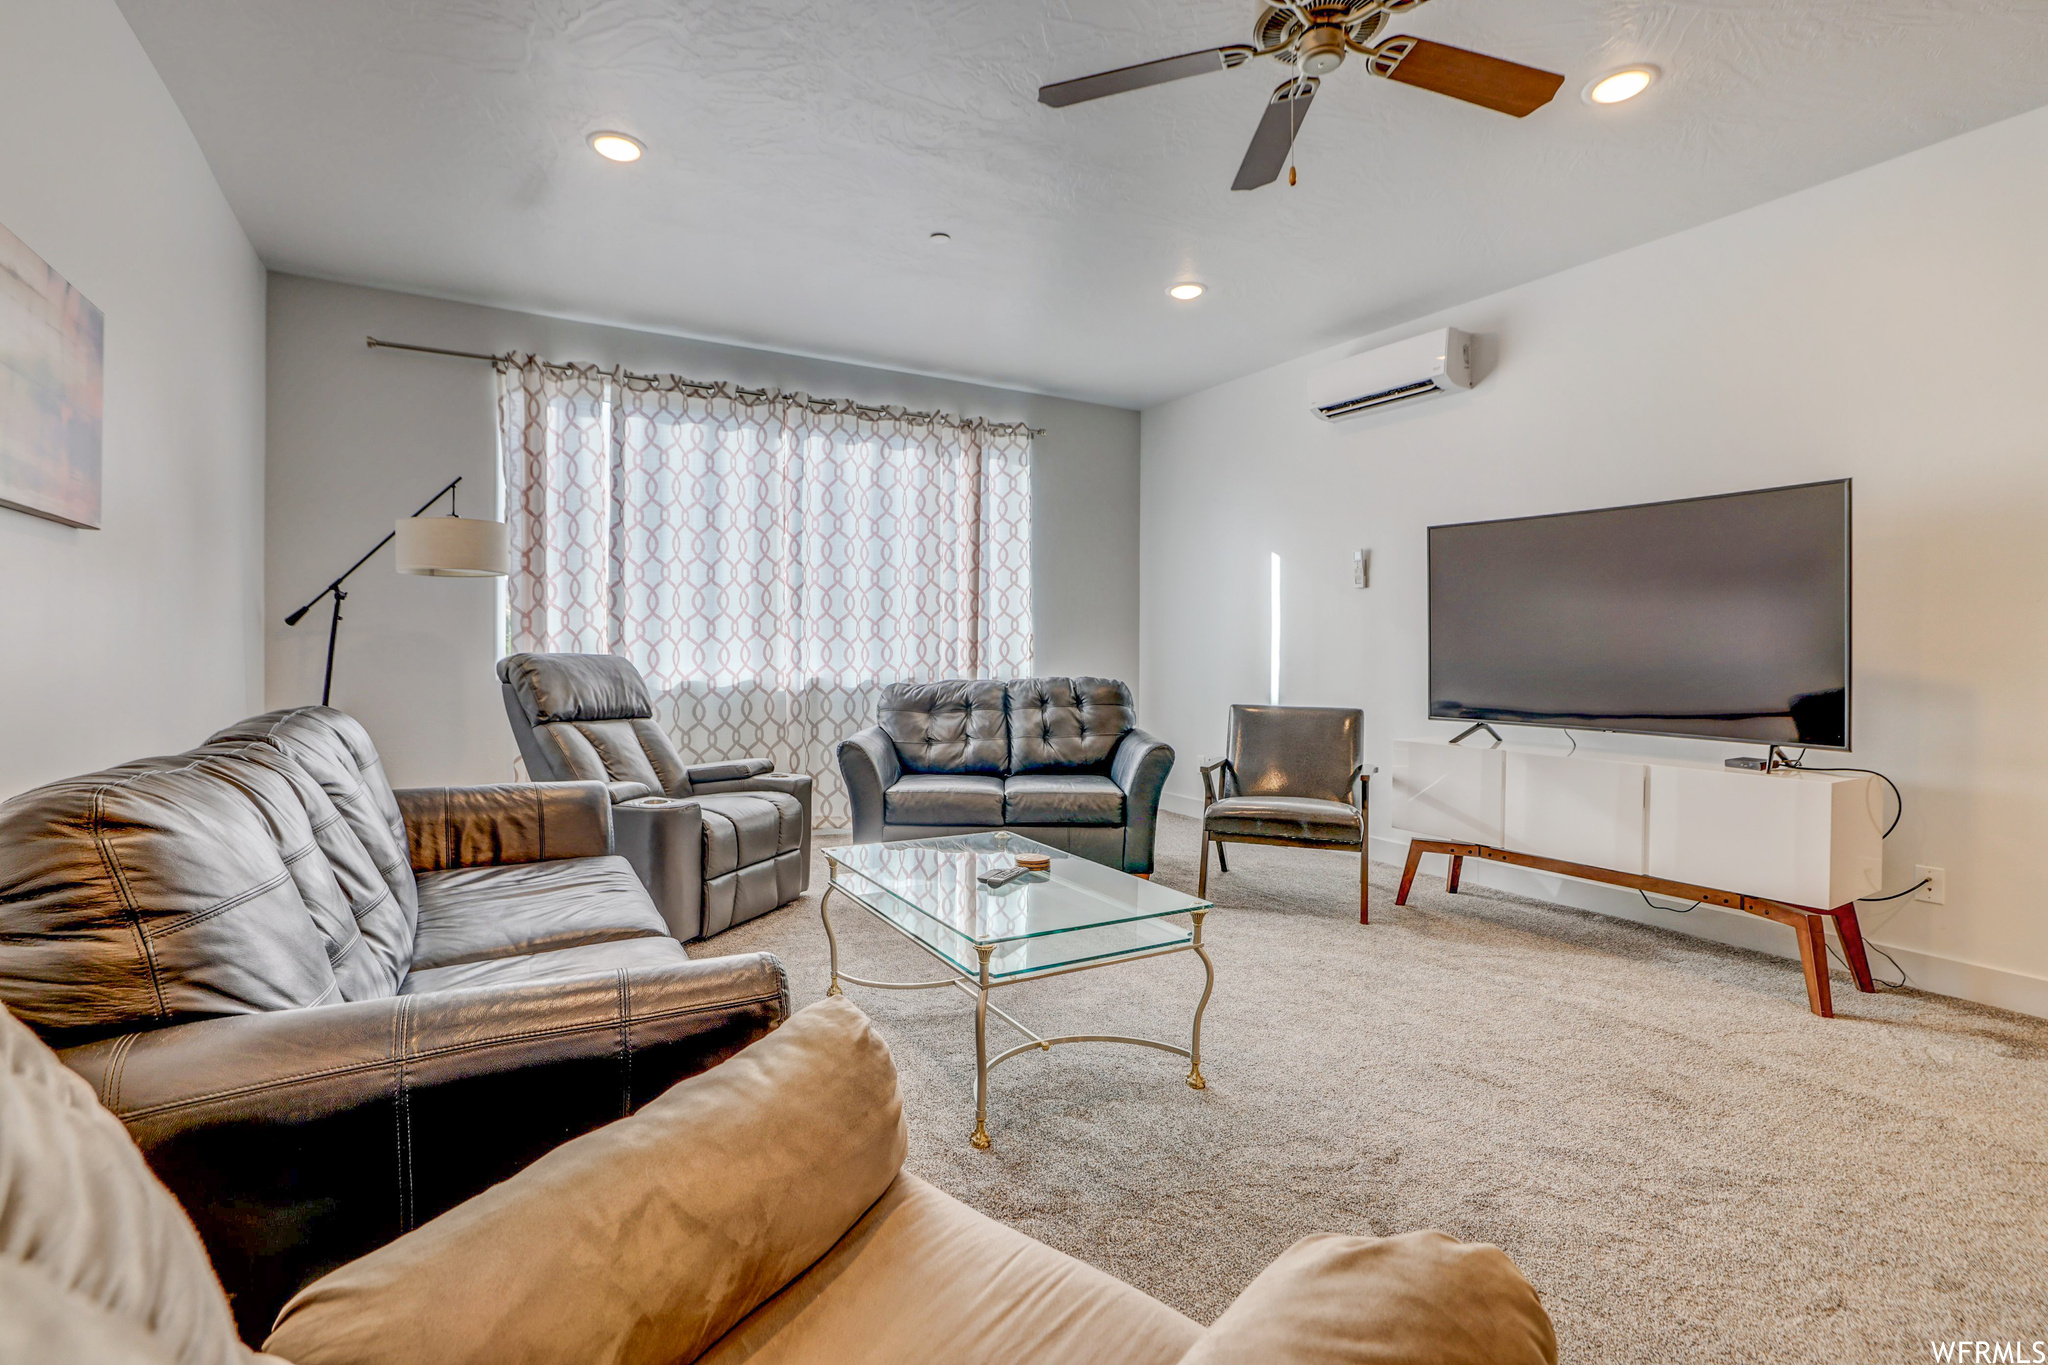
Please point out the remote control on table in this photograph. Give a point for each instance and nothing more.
(1003, 876)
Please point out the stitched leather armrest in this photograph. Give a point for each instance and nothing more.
(729, 771)
(515, 822)
(663, 838)
(1140, 768)
(300, 1139)
(627, 791)
(868, 763)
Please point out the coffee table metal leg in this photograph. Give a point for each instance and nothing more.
(980, 1138)
(831, 940)
(1195, 1080)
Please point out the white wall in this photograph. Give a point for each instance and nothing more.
(142, 636)
(359, 437)
(1886, 326)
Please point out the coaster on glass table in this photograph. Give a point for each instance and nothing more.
(1034, 862)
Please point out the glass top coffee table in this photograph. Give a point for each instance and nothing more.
(1078, 916)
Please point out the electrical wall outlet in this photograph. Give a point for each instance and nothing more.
(1936, 890)
(1361, 568)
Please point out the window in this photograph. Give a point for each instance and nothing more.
(768, 561)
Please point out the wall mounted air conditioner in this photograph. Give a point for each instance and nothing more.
(1420, 367)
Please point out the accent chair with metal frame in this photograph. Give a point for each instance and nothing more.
(1294, 776)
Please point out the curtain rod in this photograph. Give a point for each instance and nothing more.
(845, 405)
(373, 344)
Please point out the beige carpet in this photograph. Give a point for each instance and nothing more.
(1688, 1165)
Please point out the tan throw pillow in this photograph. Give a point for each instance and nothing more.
(87, 1233)
(1417, 1299)
(644, 1241)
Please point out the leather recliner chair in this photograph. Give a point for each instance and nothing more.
(327, 1011)
(1058, 760)
(715, 844)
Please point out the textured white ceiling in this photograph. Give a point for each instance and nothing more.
(800, 151)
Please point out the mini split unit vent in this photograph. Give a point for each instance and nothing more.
(1419, 367)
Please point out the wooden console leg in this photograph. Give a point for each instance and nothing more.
(1813, 958)
(1408, 872)
(1457, 866)
(1852, 946)
(1810, 927)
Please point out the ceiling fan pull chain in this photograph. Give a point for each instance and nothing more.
(1293, 131)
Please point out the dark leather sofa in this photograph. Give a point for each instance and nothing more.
(327, 1011)
(1059, 760)
(716, 844)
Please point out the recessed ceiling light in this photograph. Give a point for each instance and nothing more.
(942, 236)
(616, 146)
(1186, 291)
(1625, 84)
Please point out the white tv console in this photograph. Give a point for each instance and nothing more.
(1795, 847)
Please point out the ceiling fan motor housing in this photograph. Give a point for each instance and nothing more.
(1319, 43)
(1322, 49)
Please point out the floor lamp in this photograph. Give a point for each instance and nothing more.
(443, 547)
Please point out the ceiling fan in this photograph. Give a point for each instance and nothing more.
(1314, 37)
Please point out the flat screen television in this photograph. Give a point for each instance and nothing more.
(1721, 617)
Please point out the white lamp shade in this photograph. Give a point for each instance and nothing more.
(453, 547)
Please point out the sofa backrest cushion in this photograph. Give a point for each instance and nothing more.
(644, 1242)
(336, 750)
(560, 687)
(1067, 724)
(607, 751)
(588, 718)
(956, 726)
(368, 945)
(154, 893)
(117, 1271)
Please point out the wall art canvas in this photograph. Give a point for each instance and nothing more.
(52, 346)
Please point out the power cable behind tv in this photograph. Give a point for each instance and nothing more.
(1898, 800)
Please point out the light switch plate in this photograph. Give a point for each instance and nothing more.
(1361, 568)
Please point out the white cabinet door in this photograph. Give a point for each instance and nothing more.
(1803, 838)
(1580, 809)
(1447, 792)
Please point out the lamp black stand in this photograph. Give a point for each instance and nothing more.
(334, 589)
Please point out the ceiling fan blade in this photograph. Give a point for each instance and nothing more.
(1285, 110)
(1470, 76)
(1143, 74)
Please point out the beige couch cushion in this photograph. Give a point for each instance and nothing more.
(644, 1241)
(924, 1278)
(40, 1321)
(96, 1258)
(1417, 1299)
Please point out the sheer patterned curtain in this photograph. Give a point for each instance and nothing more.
(767, 560)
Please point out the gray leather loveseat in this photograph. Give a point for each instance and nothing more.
(1059, 760)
